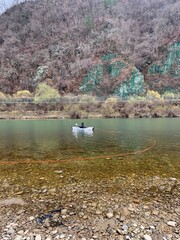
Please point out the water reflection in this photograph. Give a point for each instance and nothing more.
(79, 134)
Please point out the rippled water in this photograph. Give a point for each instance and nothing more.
(116, 147)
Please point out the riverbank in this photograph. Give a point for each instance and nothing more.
(109, 109)
(114, 209)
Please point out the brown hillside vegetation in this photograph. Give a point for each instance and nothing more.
(66, 38)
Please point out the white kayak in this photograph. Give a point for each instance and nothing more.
(84, 129)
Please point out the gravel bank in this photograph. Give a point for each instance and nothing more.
(123, 208)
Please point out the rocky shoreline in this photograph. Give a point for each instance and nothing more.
(122, 208)
(73, 110)
(59, 115)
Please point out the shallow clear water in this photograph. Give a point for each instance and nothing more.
(116, 147)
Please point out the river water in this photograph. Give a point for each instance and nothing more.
(32, 150)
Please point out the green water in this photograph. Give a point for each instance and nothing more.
(117, 147)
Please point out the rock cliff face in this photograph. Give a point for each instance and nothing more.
(165, 74)
(113, 76)
(100, 47)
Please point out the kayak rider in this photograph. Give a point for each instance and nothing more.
(82, 125)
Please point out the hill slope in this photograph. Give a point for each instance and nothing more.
(59, 42)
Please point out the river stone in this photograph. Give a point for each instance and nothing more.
(12, 201)
(121, 238)
(18, 238)
(125, 212)
(177, 210)
(38, 237)
(98, 212)
(63, 211)
(171, 223)
(147, 237)
(62, 236)
(125, 227)
(54, 232)
(109, 215)
(10, 231)
(173, 179)
(155, 212)
(20, 232)
(60, 171)
(31, 218)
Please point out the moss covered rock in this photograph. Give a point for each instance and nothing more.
(170, 64)
(164, 75)
(113, 76)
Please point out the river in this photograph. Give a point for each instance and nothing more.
(128, 147)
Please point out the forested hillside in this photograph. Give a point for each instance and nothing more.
(102, 47)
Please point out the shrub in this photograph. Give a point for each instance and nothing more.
(159, 111)
(109, 107)
(136, 99)
(69, 98)
(168, 95)
(74, 111)
(132, 100)
(45, 93)
(153, 95)
(111, 100)
(177, 95)
(107, 110)
(174, 111)
(23, 94)
(2, 95)
(129, 108)
(87, 103)
(87, 99)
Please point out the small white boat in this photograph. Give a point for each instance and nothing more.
(84, 129)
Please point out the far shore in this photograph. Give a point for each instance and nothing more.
(90, 109)
(59, 116)
(30, 115)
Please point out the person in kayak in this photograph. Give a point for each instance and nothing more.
(82, 125)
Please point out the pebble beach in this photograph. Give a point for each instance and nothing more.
(121, 208)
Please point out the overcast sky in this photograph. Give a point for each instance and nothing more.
(5, 4)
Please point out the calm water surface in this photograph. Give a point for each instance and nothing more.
(117, 147)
